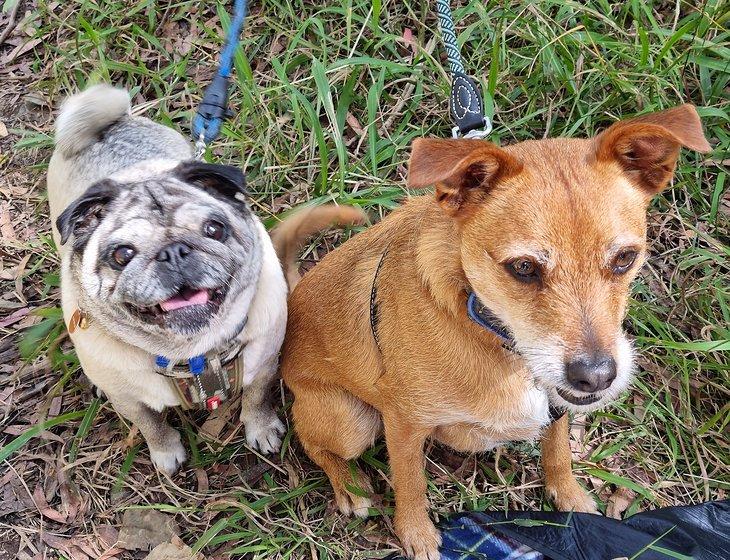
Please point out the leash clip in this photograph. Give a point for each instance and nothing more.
(477, 133)
(212, 111)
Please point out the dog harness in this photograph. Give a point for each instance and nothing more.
(203, 382)
(476, 311)
(206, 381)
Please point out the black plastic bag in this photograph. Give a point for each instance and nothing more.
(700, 532)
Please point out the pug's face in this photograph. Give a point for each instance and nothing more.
(166, 261)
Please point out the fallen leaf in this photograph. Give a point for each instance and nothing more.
(409, 40)
(144, 529)
(217, 420)
(293, 478)
(44, 508)
(354, 124)
(14, 317)
(108, 535)
(619, 502)
(68, 546)
(6, 221)
(202, 477)
(20, 50)
(55, 408)
(174, 550)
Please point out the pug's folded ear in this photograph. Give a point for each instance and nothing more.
(219, 180)
(84, 214)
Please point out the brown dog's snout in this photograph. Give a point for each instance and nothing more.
(591, 374)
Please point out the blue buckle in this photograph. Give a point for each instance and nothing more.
(196, 365)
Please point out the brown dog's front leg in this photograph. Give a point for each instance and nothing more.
(417, 534)
(560, 484)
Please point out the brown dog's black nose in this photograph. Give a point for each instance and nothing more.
(174, 253)
(591, 375)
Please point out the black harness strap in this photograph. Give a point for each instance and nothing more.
(374, 317)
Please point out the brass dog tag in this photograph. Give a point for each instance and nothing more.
(80, 320)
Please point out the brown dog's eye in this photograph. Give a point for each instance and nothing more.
(623, 260)
(215, 230)
(123, 255)
(525, 270)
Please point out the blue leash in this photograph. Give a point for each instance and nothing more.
(466, 105)
(214, 106)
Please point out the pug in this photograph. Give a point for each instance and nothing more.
(170, 285)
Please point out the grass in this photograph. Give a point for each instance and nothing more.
(327, 98)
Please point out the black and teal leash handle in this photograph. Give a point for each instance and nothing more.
(466, 104)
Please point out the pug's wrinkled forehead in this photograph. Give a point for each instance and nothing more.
(158, 185)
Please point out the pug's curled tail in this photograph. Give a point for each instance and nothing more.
(289, 236)
(86, 115)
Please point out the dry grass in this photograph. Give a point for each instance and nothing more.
(328, 98)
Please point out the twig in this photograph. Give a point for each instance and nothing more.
(11, 23)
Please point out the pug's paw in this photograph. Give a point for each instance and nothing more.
(170, 457)
(264, 431)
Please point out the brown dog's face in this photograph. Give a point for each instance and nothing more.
(553, 233)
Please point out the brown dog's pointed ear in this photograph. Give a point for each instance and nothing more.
(647, 147)
(463, 171)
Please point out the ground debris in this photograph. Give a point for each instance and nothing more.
(174, 550)
(144, 529)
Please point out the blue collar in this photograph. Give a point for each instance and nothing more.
(482, 316)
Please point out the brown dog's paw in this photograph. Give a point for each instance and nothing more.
(568, 495)
(421, 541)
(350, 503)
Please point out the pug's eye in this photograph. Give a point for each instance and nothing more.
(123, 255)
(524, 270)
(623, 261)
(215, 230)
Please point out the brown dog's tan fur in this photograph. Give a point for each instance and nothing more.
(569, 206)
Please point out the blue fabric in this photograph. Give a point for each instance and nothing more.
(467, 538)
(698, 532)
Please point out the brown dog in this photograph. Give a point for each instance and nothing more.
(548, 235)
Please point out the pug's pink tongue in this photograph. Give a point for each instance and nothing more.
(194, 298)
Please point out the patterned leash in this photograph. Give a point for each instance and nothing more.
(466, 105)
(214, 106)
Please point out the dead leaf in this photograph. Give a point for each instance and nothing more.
(14, 317)
(217, 420)
(202, 477)
(619, 502)
(68, 546)
(144, 529)
(409, 40)
(6, 221)
(578, 435)
(175, 550)
(14, 497)
(292, 475)
(44, 508)
(3, 130)
(55, 408)
(108, 535)
(70, 499)
(20, 50)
